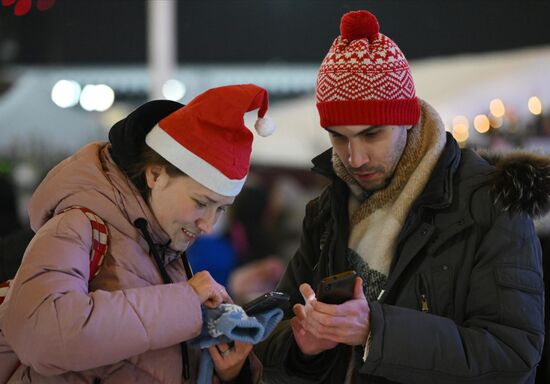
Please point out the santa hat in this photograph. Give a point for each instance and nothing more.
(365, 79)
(207, 139)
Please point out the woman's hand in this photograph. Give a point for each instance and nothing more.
(210, 292)
(229, 359)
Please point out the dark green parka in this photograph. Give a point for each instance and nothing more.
(468, 249)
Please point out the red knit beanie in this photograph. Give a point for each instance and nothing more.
(365, 79)
(207, 138)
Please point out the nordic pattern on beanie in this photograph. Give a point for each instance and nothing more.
(365, 79)
(127, 137)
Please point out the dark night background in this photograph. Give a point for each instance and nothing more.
(75, 32)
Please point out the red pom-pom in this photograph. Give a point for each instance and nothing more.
(358, 25)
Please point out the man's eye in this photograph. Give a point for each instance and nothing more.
(336, 135)
(370, 133)
(200, 204)
(222, 209)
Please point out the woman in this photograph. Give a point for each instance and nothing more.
(165, 177)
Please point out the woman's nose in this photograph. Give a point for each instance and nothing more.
(206, 223)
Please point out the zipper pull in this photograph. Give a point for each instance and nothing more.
(424, 303)
(424, 306)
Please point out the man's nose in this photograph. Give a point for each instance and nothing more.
(358, 155)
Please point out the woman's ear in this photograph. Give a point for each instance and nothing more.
(152, 174)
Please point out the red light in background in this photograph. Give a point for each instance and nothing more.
(22, 7)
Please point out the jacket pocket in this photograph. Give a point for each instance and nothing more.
(435, 290)
(520, 291)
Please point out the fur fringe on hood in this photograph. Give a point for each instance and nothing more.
(521, 182)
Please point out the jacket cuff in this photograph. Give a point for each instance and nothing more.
(310, 367)
(373, 347)
(244, 376)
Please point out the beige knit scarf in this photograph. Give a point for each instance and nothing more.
(376, 220)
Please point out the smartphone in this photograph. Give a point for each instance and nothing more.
(337, 289)
(266, 302)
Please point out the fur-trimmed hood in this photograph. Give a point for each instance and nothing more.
(521, 182)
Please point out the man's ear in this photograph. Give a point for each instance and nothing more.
(152, 174)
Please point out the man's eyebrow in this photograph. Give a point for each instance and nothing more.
(331, 131)
(372, 127)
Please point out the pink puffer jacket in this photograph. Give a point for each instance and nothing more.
(126, 326)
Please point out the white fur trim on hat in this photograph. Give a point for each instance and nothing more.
(192, 165)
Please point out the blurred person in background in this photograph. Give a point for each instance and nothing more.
(9, 219)
(14, 236)
(164, 178)
(259, 264)
(215, 243)
(264, 228)
(247, 260)
(451, 286)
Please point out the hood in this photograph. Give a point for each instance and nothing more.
(521, 182)
(90, 178)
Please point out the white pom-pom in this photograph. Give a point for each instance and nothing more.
(265, 126)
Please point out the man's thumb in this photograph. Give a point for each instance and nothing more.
(358, 289)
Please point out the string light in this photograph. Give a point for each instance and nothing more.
(496, 106)
(481, 123)
(534, 105)
(460, 128)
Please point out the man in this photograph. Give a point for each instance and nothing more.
(450, 286)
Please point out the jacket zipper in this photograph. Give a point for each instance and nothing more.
(424, 303)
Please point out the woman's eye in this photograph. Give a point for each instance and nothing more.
(200, 204)
(222, 209)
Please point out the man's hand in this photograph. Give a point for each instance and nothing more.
(347, 323)
(308, 343)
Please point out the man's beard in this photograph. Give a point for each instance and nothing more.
(378, 169)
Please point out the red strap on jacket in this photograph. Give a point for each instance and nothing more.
(100, 236)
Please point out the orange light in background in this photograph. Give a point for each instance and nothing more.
(534, 105)
(481, 123)
(496, 106)
(460, 128)
(496, 122)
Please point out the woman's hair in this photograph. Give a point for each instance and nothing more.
(149, 157)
